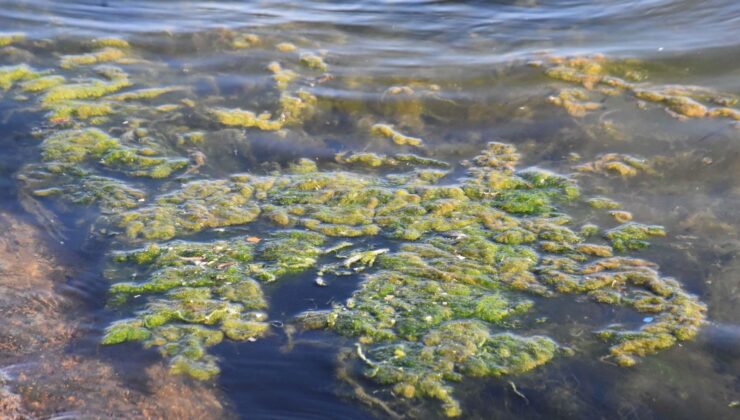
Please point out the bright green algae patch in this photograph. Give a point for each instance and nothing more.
(468, 255)
(10, 38)
(10, 75)
(65, 149)
(199, 293)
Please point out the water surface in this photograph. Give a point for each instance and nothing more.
(468, 67)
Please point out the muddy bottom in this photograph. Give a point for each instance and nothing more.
(48, 367)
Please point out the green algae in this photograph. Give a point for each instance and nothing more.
(247, 119)
(9, 75)
(313, 62)
(70, 147)
(375, 160)
(104, 55)
(467, 252)
(111, 42)
(295, 109)
(385, 130)
(288, 252)
(109, 193)
(632, 235)
(73, 146)
(142, 94)
(42, 83)
(609, 77)
(199, 205)
(11, 38)
(197, 294)
(282, 77)
(93, 89)
(81, 110)
(618, 164)
(286, 47)
(602, 203)
(243, 41)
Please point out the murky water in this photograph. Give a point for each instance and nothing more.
(633, 100)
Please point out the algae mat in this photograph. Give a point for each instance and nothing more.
(452, 258)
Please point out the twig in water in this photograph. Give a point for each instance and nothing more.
(516, 391)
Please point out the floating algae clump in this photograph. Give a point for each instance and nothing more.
(9, 75)
(286, 47)
(66, 148)
(616, 76)
(42, 83)
(197, 294)
(429, 313)
(80, 109)
(427, 317)
(375, 160)
(633, 235)
(245, 41)
(197, 206)
(111, 42)
(247, 119)
(625, 166)
(400, 139)
(295, 109)
(142, 94)
(313, 61)
(109, 193)
(105, 55)
(8, 39)
(85, 90)
(282, 77)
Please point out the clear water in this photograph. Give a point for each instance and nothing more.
(470, 57)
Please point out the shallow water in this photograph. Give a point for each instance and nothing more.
(458, 75)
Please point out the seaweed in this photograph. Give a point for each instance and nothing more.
(385, 130)
(104, 55)
(608, 76)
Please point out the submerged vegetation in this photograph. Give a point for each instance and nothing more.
(454, 258)
(598, 74)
